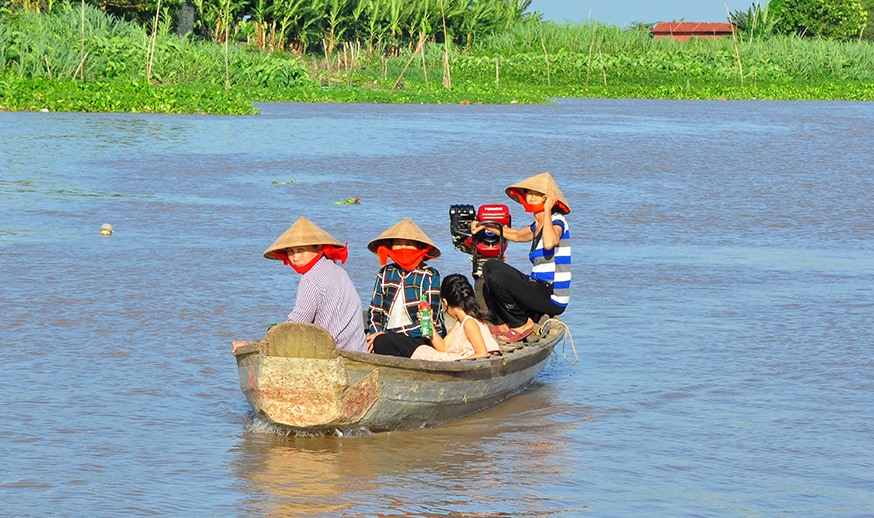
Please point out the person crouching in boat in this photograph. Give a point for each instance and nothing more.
(469, 336)
(326, 296)
(517, 300)
(392, 319)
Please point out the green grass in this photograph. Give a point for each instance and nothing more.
(530, 63)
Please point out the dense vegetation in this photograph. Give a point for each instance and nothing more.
(78, 58)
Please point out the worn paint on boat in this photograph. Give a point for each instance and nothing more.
(298, 380)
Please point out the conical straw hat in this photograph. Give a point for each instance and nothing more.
(302, 233)
(541, 183)
(405, 229)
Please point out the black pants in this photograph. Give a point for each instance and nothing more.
(397, 344)
(513, 297)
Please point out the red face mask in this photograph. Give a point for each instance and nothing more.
(299, 269)
(406, 258)
(336, 253)
(536, 209)
(520, 197)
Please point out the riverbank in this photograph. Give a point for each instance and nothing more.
(46, 64)
(19, 94)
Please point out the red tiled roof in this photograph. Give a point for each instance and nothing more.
(685, 30)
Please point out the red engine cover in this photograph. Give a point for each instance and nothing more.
(491, 245)
(494, 212)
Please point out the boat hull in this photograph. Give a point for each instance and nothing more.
(296, 379)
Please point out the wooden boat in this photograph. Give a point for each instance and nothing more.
(298, 380)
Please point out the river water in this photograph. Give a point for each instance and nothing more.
(722, 307)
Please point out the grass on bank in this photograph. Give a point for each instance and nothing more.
(42, 67)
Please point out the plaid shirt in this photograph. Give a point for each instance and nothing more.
(391, 277)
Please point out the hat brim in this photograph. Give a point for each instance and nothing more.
(405, 229)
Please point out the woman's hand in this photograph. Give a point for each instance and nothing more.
(549, 200)
(370, 338)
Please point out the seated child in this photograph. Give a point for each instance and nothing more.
(469, 337)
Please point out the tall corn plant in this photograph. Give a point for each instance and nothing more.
(395, 15)
(299, 19)
(261, 13)
(335, 16)
(374, 12)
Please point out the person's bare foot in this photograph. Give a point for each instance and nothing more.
(525, 328)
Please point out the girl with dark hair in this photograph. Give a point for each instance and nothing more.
(469, 337)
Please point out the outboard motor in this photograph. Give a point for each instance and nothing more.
(488, 243)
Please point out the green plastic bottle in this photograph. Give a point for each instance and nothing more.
(426, 323)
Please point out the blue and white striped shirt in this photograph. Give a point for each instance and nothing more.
(553, 266)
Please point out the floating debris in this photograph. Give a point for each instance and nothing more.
(106, 229)
(349, 201)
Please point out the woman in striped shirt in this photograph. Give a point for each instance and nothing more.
(326, 296)
(516, 300)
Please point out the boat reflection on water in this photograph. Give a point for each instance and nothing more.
(463, 466)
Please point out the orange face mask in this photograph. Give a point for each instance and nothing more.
(407, 258)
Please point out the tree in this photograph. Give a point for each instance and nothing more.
(868, 6)
(833, 19)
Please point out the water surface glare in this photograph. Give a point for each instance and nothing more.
(722, 305)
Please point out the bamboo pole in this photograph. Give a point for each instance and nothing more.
(447, 76)
(546, 56)
(603, 67)
(740, 65)
(425, 68)
(150, 52)
(346, 63)
(227, 40)
(591, 50)
(398, 82)
(80, 70)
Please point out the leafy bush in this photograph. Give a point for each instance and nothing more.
(834, 19)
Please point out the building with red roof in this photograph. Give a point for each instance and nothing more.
(684, 30)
